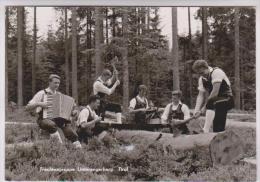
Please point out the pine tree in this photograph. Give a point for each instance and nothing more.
(20, 36)
(125, 60)
(237, 62)
(34, 52)
(74, 55)
(6, 54)
(98, 39)
(176, 79)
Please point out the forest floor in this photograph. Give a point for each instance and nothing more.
(110, 160)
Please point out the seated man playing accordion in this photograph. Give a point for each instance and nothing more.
(41, 105)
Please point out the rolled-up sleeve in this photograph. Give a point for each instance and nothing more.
(99, 87)
(37, 97)
(166, 111)
(200, 85)
(186, 111)
(83, 116)
(217, 76)
(132, 103)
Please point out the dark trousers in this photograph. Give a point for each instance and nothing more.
(52, 126)
(220, 105)
(108, 106)
(86, 133)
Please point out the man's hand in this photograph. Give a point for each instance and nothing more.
(203, 110)
(98, 120)
(115, 72)
(197, 114)
(117, 83)
(74, 113)
(44, 105)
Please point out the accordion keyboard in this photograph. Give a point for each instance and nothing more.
(49, 111)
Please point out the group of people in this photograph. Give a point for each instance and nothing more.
(214, 99)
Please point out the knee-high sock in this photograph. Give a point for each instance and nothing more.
(210, 114)
(56, 136)
(119, 117)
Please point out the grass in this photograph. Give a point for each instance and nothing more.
(152, 164)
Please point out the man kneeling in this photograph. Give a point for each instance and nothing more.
(88, 119)
(176, 114)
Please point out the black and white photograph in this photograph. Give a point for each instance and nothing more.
(130, 93)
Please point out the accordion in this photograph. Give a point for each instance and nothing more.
(61, 106)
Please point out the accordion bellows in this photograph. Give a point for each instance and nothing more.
(61, 106)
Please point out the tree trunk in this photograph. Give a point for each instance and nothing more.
(106, 26)
(148, 81)
(113, 22)
(89, 61)
(34, 53)
(176, 78)
(74, 55)
(125, 61)
(224, 148)
(6, 56)
(20, 35)
(148, 20)
(204, 34)
(237, 62)
(67, 71)
(190, 57)
(98, 40)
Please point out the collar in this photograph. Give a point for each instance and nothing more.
(210, 69)
(99, 79)
(177, 104)
(50, 91)
(140, 98)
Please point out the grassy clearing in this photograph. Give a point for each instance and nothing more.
(152, 164)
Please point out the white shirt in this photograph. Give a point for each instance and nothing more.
(217, 76)
(185, 109)
(84, 114)
(99, 86)
(41, 96)
(133, 102)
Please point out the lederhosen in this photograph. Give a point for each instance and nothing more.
(178, 114)
(105, 105)
(140, 117)
(221, 104)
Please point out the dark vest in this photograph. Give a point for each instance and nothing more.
(140, 104)
(224, 90)
(140, 117)
(176, 114)
(90, 117)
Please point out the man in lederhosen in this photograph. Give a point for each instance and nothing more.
(176, 113)
(102, 88)
(139, 105)
(215, 96)
(88, 119)
(39, 103)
